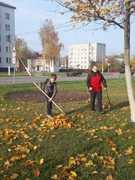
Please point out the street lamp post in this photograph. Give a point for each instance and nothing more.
(9, 55)
(108, 66)
(102, 62)
(14, 60)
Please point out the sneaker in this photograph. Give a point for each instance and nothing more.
(92, 111)
(49, 116)
(102, 112)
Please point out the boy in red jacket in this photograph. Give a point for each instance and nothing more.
(95, 81)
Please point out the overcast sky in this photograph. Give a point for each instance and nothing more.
(30, 15)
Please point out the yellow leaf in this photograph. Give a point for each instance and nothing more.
(35, 147)
(1, 171)
(74, 26)
(127, 0)
(114, 149)
(36, 172)
(21, 119)
(54, 176)
(129, 150)
(70, 177)
(94, 172)
(14, 158)
(89, 163)
(131, 161)
(9, 150)
(73, 173)
(110, 167)
(80, 155)
(130, 137)
(41, 161)
(123, 124)
(23, 156)
(84, 159)
(67, 167)
(111, 143)
(14, 176)
(109, 178)
(7, 164)
(72, 161)
(119, 131)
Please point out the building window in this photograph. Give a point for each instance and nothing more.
(6, 48)
(7, 27)
(7, 16)
(0, 60)
(6, 38)
(8, 61)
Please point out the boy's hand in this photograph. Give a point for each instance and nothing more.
(50, 99)
(90, 88)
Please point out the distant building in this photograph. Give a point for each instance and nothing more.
(7, 33)
(38, 64)
(81, 55)
(64, 63)
(120, 60)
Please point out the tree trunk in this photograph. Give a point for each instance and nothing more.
(127, 63)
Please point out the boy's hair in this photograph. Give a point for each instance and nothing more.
(53, 76)
(94, 65)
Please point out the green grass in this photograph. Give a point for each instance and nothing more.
(5, 74)
(102, 147)
(24, 73)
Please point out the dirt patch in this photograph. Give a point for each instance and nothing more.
(38, 97)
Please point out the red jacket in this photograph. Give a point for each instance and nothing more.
(96, 80)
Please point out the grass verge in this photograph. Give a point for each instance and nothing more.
(84, 146)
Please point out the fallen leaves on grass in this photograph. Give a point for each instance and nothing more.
(129, 151)
(36, 172)
(19, 133)
(17, 136)
(67, 171)
(59, 121)
(14, 176)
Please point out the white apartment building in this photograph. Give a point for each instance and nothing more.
(81, 55)
(7, 30)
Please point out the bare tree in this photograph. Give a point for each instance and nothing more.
(50, 42)
(107, 13)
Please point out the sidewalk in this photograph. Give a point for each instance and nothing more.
(38, 78)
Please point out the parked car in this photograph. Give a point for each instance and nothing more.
(74, 73)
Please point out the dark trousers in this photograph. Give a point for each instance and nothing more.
(93, 97)
(49, 106)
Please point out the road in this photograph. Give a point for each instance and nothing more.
(37, 79)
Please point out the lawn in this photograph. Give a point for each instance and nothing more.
(24, 73)
(79, 146)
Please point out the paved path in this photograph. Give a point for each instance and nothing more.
(37, 79)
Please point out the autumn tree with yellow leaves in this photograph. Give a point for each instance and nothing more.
(23, 52)
(117, 13)
(50, 43)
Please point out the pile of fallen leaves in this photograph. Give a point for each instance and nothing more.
(58, 121)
